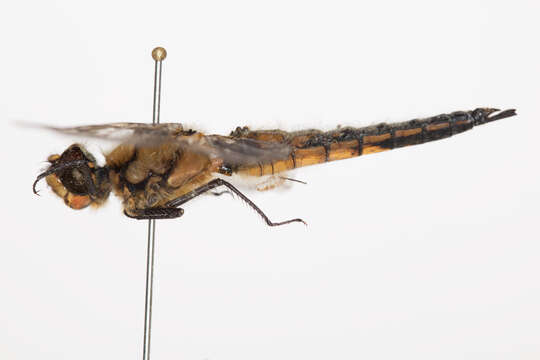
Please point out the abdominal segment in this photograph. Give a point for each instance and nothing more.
(311, 147)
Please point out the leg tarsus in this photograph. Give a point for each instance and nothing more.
(155, 213)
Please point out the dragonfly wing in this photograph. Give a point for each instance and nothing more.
(242, 151)
(138, 134)
(233, 151)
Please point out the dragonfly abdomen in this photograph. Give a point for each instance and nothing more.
(311, 147)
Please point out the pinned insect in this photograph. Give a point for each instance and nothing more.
(157, 168)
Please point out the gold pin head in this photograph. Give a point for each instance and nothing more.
(159, 54)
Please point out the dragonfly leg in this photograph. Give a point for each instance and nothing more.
(155, 213)
(220, 182)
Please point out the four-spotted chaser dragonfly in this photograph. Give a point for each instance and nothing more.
(157, 168)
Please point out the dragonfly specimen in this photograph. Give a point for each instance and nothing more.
(155, 169)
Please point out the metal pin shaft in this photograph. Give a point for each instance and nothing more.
(158, 54)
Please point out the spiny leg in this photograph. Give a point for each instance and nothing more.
(219, 182)
(155, 213)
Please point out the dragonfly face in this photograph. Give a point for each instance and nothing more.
(75, 177)
(157, 168)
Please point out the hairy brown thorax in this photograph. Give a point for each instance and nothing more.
(152, 176)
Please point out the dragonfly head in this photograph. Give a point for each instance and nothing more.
(75, 177)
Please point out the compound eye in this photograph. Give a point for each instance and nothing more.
(76, 180)
(78, 177)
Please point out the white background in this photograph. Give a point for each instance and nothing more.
(426, 252)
